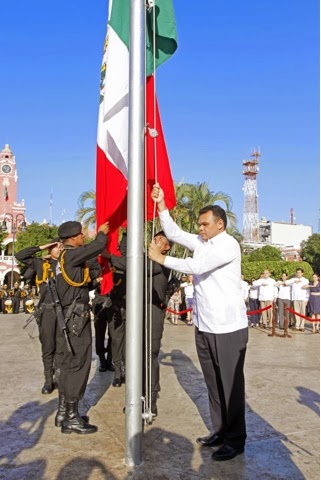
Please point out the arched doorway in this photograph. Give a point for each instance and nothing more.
(8, 276)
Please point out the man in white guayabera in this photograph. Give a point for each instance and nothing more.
(219, 316)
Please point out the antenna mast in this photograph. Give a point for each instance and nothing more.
(251, 213)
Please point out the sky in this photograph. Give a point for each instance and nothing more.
(245, 75)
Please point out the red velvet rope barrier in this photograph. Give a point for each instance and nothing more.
(178, 313)
(303, 316)
(253, 312)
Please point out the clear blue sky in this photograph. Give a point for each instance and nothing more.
(245, 74)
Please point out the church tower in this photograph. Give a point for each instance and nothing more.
(9, 184)
(12, 217)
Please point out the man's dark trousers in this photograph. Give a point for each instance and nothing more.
(75, 368)
(222, 360)
(158, 315)
(47, 336)
(116, 329)
(102, 317)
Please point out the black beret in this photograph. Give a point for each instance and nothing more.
(69, 229)
(161, 233)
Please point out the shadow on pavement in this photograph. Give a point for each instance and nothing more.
(83, 468)
(266, 455)
(190, 379)
(310, 399)
(96, 388)
(22, 431)
(166, 456)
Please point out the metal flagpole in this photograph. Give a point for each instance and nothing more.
(50, 209)
(134, 293)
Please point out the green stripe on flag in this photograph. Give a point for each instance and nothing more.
(166, 37)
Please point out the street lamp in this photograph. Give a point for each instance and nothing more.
(14, 229)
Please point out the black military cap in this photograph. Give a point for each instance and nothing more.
(161, 233)
(69, 229)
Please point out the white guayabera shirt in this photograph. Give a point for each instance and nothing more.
(299, 293)
(267, 291)
(216, 266)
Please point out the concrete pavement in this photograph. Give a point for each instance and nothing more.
(283, 407)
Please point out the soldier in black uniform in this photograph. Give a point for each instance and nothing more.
(101, 310)
(117, 320)
(5, 296)
(45, 268)
(16, 297)
(160, 275)
(72, 277)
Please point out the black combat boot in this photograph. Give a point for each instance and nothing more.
(153, 405)
(117, 382)
(61, 412)
(73, 422)
(48, 385)
(123, 373)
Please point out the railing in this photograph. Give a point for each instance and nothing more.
(8, 259)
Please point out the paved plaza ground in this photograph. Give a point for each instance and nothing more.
(283, 406)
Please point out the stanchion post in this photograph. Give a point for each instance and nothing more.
(272, 334)
(286, 322)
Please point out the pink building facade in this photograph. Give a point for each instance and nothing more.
(12, 213)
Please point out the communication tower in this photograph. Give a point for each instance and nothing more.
(292, 216)
(251, 212)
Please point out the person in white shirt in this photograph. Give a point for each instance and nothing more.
(189, 297)
(300, 297)
(254, 304)
(283, 298)
(174, 303)
(245, 289)
(267, 295)
(219, 316)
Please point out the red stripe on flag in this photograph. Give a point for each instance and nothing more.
(111, 198)
(111, 186)
(163, 173)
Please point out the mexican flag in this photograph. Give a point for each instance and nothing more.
(112, 138)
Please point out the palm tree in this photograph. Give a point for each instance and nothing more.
(234, 232)
(180, 211)
(191, 198)
(87, 214)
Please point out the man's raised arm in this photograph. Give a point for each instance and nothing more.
(172, 230)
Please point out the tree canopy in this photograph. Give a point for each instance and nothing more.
(265, 253)
(252, 270)
(310, 251)
(86, 214)
(190, 199)
(35, 234)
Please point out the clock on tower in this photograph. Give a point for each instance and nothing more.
(8, 180)
(6, 168)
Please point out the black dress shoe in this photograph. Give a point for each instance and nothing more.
(213, 440)
(226, 452)
(117, 382)
(47, 389)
